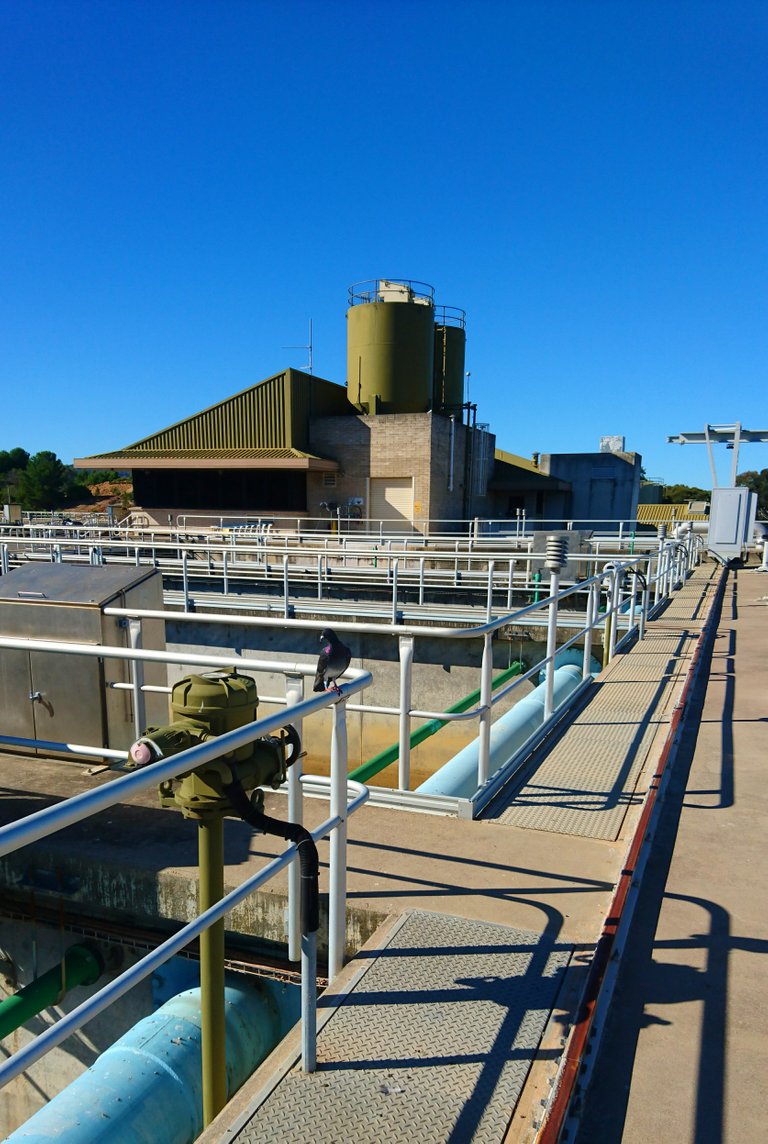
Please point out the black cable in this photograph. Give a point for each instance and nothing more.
(309, 861)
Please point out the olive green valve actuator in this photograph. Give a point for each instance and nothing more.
(202, 708)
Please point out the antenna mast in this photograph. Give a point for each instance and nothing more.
(307, 347)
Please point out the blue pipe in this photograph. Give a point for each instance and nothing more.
(458, 777)
(148, 1087)
(575, 656)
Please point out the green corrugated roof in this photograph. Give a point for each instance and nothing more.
(269, 420)
(205, 455)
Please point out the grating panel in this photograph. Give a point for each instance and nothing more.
(586, 784)
(588, 780)
(433, 1044)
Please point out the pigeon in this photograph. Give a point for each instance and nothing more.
(332, 662)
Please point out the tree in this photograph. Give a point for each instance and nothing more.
(45, 482)
(13, 459)
(757, 483)
(681, 494)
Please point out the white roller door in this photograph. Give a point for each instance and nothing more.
(391, 500)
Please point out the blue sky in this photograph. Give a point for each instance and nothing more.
(184, 185)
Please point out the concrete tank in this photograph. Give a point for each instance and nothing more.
(390, 346)
(450, 345)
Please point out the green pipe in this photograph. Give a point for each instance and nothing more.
(537, 581)
(389, 755)
(80, 966)
(214, 1051)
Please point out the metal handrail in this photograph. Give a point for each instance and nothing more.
(369, 291)
(119, 986)
(662, 569)
(51, 819)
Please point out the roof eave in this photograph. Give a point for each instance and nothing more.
(115, 461)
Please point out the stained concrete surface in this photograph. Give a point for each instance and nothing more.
(685, 1054)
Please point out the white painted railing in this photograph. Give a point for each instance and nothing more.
(345, 797)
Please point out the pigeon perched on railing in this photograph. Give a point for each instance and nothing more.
(332, 662)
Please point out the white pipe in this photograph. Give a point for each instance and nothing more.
(405, 647)
(593, 600)
(185, 579)
(394, 591)
(337, 874)
(47, 821)
(486, 693)
(294, 695)
(554, 588)
(137, 680)
(489, 595)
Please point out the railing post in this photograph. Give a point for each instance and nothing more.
(557, 547)
(613, 611)
(395, 564)
(486, 693)
(646, 601)
(405, 647)
(662, 532)
(286, 605)
(510, 584)
(489, 597)
(337, 875)
(421, 581)
(137, 679)
(592, 612)
(294, 693)
(225, 570)
(632, 601)
(185, 579)
(4, 565)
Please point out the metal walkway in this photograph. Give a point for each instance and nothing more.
(432, 1031)
(433, 1041)
(589, 778)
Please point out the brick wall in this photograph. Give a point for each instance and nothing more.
(416, 445)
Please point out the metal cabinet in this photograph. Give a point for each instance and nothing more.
(71, 698)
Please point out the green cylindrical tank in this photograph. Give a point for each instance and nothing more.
(219, 700)
(450, 344)
(390, 347)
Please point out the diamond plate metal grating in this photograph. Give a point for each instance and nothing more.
(588, 781)
(433, 1044)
